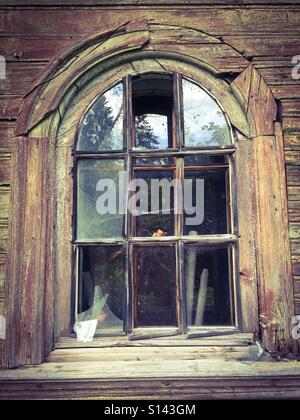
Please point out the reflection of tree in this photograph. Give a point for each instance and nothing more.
(219, 134)
(145, 137)
(100, 129)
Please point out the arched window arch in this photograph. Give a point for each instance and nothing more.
(155, 236)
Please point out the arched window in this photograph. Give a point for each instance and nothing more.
(154, 227)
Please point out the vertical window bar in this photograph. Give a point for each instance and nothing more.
(177, 112)
(128, 117)
(129, 141)
(181, 292)
(178, 199)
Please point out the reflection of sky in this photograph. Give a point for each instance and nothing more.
(199, 110)
(159, 127)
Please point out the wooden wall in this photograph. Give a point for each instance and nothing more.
(32, 32)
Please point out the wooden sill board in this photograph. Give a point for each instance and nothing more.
(160, 379)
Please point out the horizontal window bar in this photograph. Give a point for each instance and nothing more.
(197, 239)
(155, 153)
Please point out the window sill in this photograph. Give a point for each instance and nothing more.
(155, 378)
(222, 337)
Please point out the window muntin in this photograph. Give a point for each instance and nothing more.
(176, 162)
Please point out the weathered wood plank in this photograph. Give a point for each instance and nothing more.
(228, 340)
(3, 261)
(292, 157)
(286, 91)
(293, 194)
(297, 286)
(294, 230)
(272, 45)
(293, 175)
(290, 107)
(246, 217)
(153, 369)
(9, 106)
(294, 210)
(31, 48)
(261, 106)
(19, 77)
(295, 247)
(143, 3)
(25, 294)
(3, 236)
(4, 203)
(273, 247)
(291, 140)
(291, 123)
(215, 21)
(5, 169)
(296, 268)
(277, 75)
(153, 353)
(7, 135)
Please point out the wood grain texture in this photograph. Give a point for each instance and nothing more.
(7, 135)
(273, 248)
(148, 379)
(261, 107)
(246, 222)
(215, 21)
(143, 3)
(25, 290)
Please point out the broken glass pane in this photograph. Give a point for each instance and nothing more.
(101, 286)
(152, 101)
(102, 127)
(204, 122)
(99, 199)
(155, 286)
(208, 289)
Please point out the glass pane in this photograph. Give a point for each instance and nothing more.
(155, 286)
(152, 131)
(204, 122)
(154, 203)
(102, 127)
(99, 199)
(205, 202)
(101, 286)
(207, 279)
(205, 160)
(152, 101)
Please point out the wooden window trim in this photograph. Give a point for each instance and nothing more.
(31, 284)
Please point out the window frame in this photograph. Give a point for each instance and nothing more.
(179, 151)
